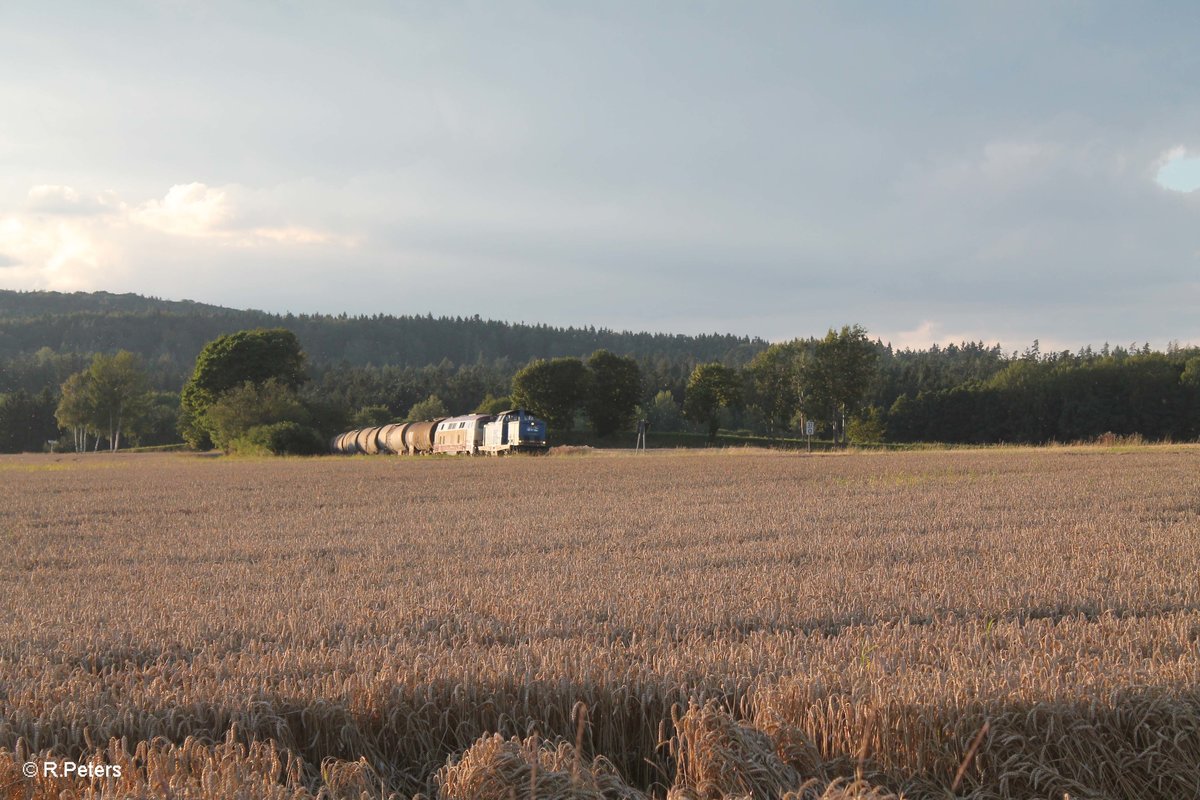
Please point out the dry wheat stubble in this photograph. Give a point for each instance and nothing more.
(881, 607)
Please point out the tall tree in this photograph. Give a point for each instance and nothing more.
(712, 387)
(107, 400)
(75, 412)
(775, 383)
(254, 356)
(616, 385)
(838, 374)
(119, 393)
(553, 390)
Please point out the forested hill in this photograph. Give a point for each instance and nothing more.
(36, 304)
(169, 334)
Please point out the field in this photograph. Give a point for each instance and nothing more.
(1000, 623)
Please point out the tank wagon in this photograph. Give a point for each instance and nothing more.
(472, 434)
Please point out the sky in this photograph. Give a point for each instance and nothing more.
(936, 172)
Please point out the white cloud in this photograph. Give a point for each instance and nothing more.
(65, 239)
(60, 254)
(191, 209)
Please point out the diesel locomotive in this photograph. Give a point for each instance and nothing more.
(473, 434)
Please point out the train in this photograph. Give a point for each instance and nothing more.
(513, 431)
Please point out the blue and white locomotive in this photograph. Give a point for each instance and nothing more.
(513, 431)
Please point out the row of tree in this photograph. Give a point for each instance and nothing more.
(255, 389)
(1154, 395)
(863, 391)
(605, 389)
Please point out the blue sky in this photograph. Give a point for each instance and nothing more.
(983, 171)
(1180, 173)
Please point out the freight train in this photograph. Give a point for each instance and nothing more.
(507, 432)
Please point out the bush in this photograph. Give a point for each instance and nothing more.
(280, 438)
(867, 427)
(248, 406)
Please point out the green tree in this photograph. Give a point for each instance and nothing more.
(27, 421)
(1191, 373)
(431, 407)
(280, 439)
(119, 394)
(371, 416)
(867, 426)
(837, 375)
(553, 390)
(229, 361)
(494, 405)
(108, 399)
(159, 424)
(903, 423)
(613, 392)
(75, 412)
(250, 405)
(711, 387)
(775, 383)
(664, 413)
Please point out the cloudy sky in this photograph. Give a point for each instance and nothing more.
(995, 171)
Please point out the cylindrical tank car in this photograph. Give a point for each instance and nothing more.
(507, 432)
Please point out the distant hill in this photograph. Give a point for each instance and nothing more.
(169, 334)
(36, 304)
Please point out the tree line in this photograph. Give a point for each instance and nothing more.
(258, 390)
(168, 335)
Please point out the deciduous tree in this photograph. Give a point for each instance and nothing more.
(615, 386)
(775, 383)
(837, 376)
(664, 414)
(254, 356)
(431, 407)
(119, 392)
(250, 405)
(74, 412)
(553, 390)
(106, 400)
(711, 387)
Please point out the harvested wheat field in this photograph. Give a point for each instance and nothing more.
(1002, 623)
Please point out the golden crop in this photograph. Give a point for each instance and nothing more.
(683, 625)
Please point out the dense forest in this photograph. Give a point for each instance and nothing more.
(169, 334)
(381, 367)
